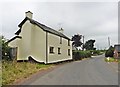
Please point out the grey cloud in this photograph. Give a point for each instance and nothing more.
(96, 20)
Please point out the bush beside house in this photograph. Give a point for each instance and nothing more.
(5, 48)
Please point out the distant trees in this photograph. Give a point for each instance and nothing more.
(89, 45)
(77, 40)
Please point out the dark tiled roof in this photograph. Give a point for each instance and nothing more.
(13, 38)
(18, 32)
(44, 27)
(117, 47)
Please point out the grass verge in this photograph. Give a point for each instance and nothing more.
(12, 71)
(111, 59)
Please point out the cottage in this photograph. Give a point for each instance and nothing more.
(117, 51)
(40, 42)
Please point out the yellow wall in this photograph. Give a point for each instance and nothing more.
(24, 46)
(33, 43)
(54, 41)
(38, 44)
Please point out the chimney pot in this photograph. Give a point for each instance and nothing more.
(29, 14)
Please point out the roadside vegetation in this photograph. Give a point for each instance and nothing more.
(78, 55)
(111, 59)
(13, 70)
(109, 54)
(87, 49)
(97, 52)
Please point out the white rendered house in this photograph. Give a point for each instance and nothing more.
(42, 43)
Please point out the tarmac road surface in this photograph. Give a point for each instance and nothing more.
(93, 71)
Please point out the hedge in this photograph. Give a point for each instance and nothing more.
(78, 55)
(96, 52)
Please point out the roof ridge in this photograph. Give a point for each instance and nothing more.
(44, 27)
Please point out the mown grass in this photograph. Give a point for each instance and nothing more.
(12, 71)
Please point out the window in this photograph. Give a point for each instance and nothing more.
(68, 42)
(59, 52)
(68, 52)
(60, 40)
(51, 49)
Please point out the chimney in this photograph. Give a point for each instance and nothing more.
(61, 30)
(29, 14)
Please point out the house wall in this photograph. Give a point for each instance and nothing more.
(15, 43)
(54, 41)
(116, 54)
(38, 44)
(33, 43)
(24, 45)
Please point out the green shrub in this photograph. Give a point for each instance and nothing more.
(78, 55)
(96, 52)
(109, 52)
(4, 48)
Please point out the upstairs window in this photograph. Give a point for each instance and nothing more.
(68, 52)
(59, 51)
(60, 40)
(68, 42)
(51, 49)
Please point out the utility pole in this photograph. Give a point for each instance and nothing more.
(83, 43)
(109, 41)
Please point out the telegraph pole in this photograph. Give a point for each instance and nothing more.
(83, 43)
(109, 41)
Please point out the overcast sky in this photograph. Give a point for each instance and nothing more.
(94, 20)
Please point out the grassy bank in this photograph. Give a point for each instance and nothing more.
(12, 71)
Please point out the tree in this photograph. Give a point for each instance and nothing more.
(4, 48)
(89, 45)
(77, 40)
(110, 52)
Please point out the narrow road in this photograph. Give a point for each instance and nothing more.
(94, 71)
